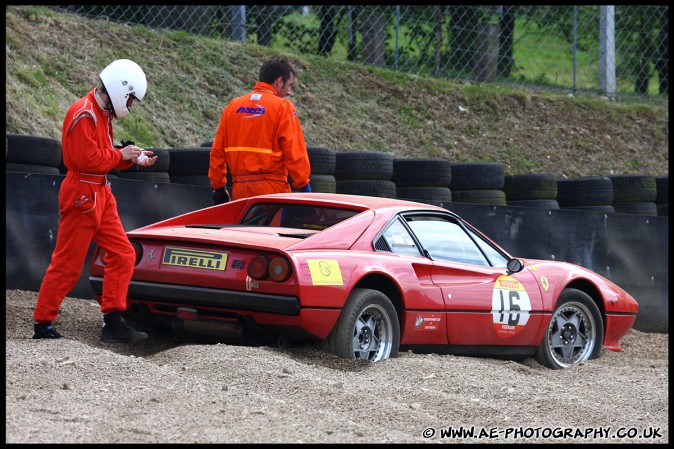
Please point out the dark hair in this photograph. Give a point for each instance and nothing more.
(274, 67)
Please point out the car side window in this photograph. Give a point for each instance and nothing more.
(497, 259)
(446, 240)
(399, 240)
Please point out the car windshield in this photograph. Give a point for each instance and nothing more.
(298, 216)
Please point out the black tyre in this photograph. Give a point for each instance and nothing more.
(662, 189)
(530, 186)
(422, 172)
(363, 165)
(586, 191)
(323, 183)
(32, 168)
(322, 161)
(636, 208)
(189, 161)
(633, 188)
(477, 176)
(494, 197)
(424, 193)
(663, 209)
(598, 208)
(367, 329)
(369, 187)
(33, 150)
(575, 333)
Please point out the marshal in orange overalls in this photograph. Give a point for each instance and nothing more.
(260, 140)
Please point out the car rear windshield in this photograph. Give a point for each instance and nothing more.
(297, 216)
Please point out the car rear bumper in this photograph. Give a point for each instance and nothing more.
(206, 297)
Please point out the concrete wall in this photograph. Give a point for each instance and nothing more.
(631, 250)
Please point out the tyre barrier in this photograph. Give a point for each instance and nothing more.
(422, 194)
(662, 195)
(323, 183)
(32, 168)
(477, 176)
(634, 194)
(478, 183)
(589, 193)
(371, 187)
(493, 197)
(421, 172)
(415, 179)
(322, 161)
(353, 165)
(365, 173)
(32, 150)
(531, 190)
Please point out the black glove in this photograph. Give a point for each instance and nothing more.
(221, 196)
(125, 143)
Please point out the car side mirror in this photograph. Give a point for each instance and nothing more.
(514, 266)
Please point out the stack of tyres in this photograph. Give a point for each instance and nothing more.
(662, 195)
(478, 183)
(33, 154)
(365, 173)
(424, 180)
(323, 161)
(531, 190)
(190, 166)
(586, 193)
(634, 194)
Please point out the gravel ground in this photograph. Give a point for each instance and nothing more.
(79, 390)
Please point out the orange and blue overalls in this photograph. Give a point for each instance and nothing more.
(260, 140)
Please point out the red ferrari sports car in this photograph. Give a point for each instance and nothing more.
(368, 277)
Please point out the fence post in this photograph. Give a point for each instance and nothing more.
(238, 13)
(374, 39)
(485, 56)
(607, 81)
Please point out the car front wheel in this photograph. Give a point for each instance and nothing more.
(575, 332)
(367, 329)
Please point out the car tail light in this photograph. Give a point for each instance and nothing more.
(258, 267)
(279, 269)
(262, 266)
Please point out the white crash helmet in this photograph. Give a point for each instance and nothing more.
(123, 78)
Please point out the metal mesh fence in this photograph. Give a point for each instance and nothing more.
(616, 51)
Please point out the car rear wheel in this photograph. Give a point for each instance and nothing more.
(575, 332)
(367, 329)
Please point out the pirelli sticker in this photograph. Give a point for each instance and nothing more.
(510, 307)
(194, 258)
(325, 272)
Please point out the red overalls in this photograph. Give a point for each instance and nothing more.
(261, 141)
(88, 211)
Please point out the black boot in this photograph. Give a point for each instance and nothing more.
(117, 330)
(45, 330)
